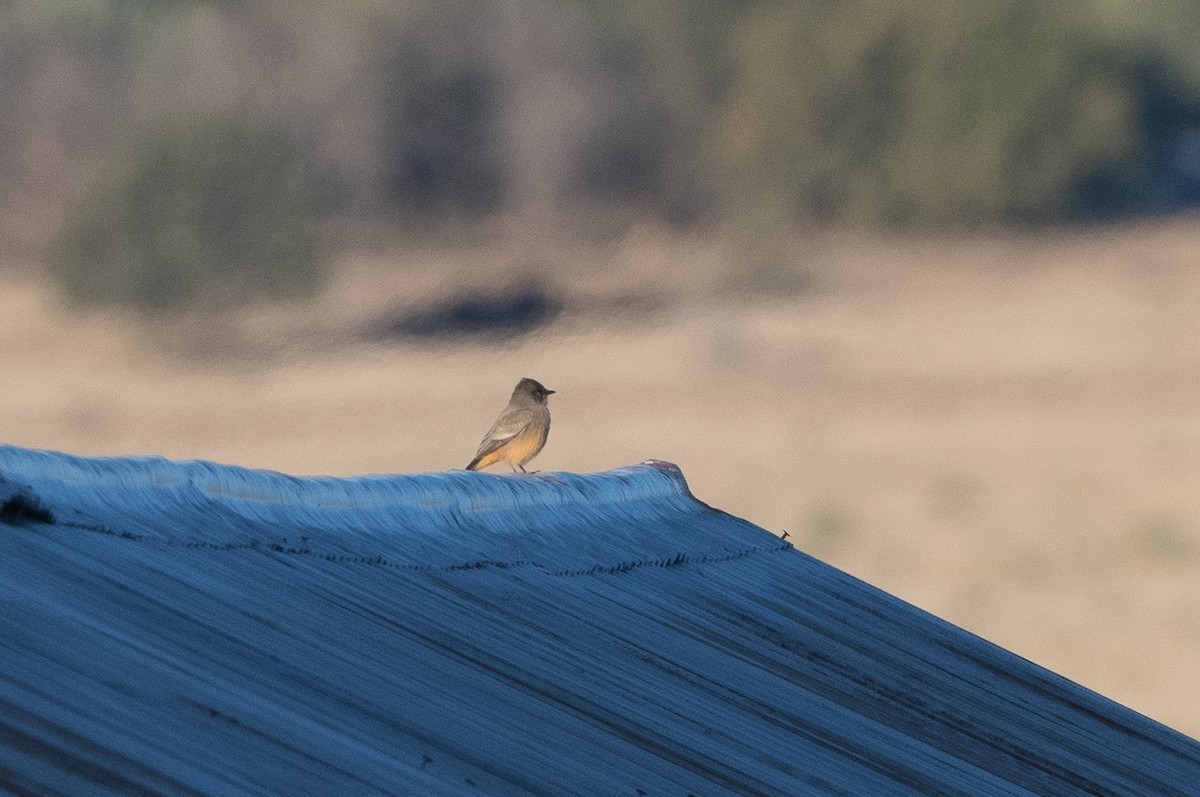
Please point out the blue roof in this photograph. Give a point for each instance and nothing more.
(193, 628)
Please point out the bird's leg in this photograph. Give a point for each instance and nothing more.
(522, 467)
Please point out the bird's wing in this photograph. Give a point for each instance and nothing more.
(510, 424)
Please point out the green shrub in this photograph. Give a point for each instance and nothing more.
(929, 112)
(439, 114)
(216, 211)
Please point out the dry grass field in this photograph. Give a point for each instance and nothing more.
(1002, 430)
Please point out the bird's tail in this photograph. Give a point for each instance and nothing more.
(488, 457)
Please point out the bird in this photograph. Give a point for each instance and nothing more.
(520, 432)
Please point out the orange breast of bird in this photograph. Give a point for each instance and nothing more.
(520, 449)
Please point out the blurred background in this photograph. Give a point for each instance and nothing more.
(912, 280)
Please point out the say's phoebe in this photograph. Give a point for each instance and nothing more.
(520, 432)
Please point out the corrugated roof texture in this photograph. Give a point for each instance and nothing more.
(189, 628)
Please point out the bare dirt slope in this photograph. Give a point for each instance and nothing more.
(1005, 432)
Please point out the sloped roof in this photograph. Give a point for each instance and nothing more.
(192, 628)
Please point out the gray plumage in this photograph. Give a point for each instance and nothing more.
(521, 430)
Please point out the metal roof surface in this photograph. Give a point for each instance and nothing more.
(191, 628)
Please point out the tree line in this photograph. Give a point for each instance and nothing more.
(143, 125)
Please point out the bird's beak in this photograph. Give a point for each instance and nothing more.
(549, 391)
